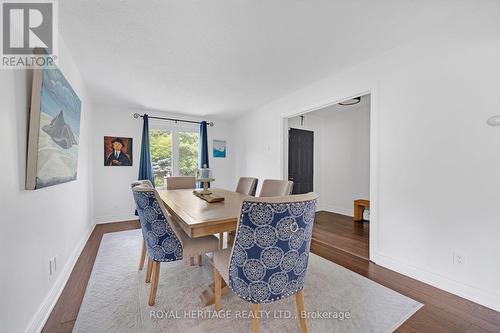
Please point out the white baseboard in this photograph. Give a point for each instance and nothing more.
(41, 316)
(489, 299)
(338, 210)
(115, 218)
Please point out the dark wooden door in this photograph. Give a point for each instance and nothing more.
(301, 160)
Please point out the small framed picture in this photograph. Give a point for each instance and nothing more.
(219, 148)
(117, 151)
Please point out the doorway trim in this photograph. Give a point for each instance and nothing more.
(374, 154)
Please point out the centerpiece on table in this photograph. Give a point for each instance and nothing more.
(204, 175)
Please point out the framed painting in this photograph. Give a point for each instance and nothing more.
(219, 148)
(117, 151)
(54, 130)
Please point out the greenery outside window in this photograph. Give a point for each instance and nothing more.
(174, 152)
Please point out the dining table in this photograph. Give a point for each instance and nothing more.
(199, 218)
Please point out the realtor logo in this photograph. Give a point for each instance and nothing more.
(27, 26)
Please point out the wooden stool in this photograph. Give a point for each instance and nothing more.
(359, 207)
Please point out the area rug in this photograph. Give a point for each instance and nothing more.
(336, 299)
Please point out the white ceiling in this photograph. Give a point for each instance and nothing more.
(226, 57)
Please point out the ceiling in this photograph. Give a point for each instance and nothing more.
(227, 57)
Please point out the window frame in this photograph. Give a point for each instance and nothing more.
(175, 129)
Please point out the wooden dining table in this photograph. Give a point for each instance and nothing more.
(199, 218)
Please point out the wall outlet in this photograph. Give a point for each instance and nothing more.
(458, 259)
(52, 265)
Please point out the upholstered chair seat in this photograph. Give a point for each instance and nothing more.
(276, 188)
(269, 258)
(164, 240)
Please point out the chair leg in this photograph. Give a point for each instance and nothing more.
(149, 270)
(200, 260)
(255, 321)
(143, 255)
(154, 285)
(218, 289)
(221, 241)
(191, 261)
(299, 300)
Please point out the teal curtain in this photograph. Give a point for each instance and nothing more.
(203, 146)
(145, 166)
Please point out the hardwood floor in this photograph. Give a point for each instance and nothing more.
(340, 232)
(443, 312)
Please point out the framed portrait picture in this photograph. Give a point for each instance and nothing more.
(117, 151)
(219, 148)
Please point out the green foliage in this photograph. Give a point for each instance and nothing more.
(162, 153)
(188, 153)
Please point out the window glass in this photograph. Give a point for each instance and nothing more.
(188, 153)
(160, 143)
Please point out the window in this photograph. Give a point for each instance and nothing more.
(174, 152)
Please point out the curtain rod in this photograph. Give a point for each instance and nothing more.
(136, 115)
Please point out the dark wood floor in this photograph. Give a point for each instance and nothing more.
(443, 312)
(340, 232)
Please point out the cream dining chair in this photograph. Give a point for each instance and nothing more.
(247, 185)
(276, 188)
(177, 183)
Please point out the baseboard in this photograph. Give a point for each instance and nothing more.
(115, 218)
(338, 210)
(41, 316)
(486, 298)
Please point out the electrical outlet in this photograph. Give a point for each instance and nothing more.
(458, 259)
(52, 266)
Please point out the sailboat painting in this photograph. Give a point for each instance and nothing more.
(54, 133)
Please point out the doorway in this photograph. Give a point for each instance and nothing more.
(301, 160)
(329, 153)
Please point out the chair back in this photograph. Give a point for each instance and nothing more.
(247, 185)
(176, 183)
(276, 188)
(162, 242)
(271, 251)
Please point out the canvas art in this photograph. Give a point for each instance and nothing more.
(117, 151)
(219, 148)
(54, 132)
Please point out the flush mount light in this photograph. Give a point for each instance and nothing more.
(351, 101)
(494, 121)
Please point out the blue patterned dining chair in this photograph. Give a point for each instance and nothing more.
(269, 258)
(164, 240)
(142, 259)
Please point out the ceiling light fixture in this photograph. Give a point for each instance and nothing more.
(351, 101)
(494, 121)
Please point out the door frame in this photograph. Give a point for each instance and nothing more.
(374, 153)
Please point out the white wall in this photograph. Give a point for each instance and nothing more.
(37, 225)
(435, 177)
(112, 196)
(341, 154)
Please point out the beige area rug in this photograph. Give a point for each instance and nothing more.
(337, 300)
